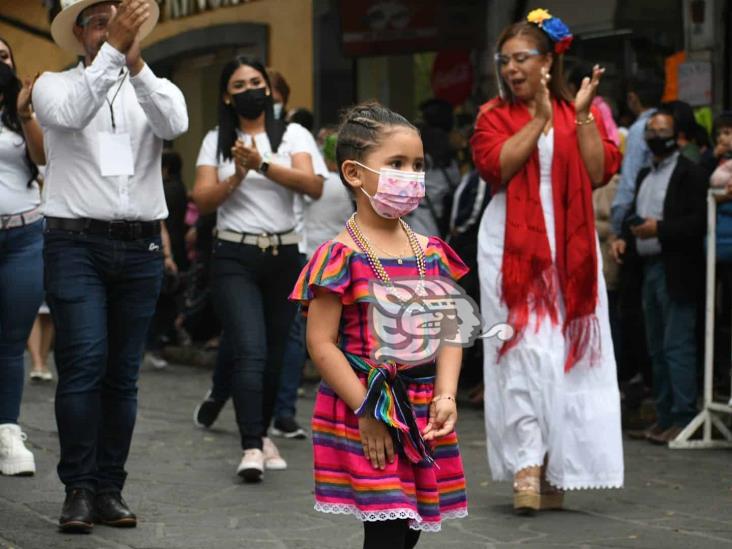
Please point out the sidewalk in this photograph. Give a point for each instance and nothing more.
(183, 486)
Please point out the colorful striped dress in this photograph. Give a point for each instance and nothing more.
(345, 480)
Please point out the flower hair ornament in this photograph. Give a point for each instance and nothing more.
(554, 28)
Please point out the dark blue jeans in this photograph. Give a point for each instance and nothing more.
(102, 294)
(292, 364)
(671, 333)
(21, 293)
(250, 289)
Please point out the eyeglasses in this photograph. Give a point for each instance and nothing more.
(98, 22)
(519, 57)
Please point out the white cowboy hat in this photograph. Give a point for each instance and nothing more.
(62, 27)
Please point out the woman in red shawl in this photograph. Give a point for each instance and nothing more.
(552, 404)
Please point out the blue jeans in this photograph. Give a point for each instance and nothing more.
(21, 293)
(250, 290)
(671, 334)
(102, 294)
(292, 364)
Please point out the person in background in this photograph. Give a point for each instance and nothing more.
(721, 178)
(173, 231)
(644, 97)
(280, 93)
(686, 129)
(323, 219)
(303, 117)
(666, 237)
(104, 123)
(442, 171)
(21, 259)
(552, 406)
(40, 341)
(634, 368)
(249, 169)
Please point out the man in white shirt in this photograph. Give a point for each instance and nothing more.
(104, 122)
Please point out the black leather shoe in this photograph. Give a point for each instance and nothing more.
(111, 509)
(77, 512)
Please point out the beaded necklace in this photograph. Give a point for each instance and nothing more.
(360, 239)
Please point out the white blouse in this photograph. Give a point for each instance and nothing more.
(259, 205)
(16, 196)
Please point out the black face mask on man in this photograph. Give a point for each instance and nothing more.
(661, 146)
(250, 103)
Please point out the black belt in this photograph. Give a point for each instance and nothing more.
(116, 230)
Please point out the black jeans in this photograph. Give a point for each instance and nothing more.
(102, 295)
(389, 534)
(250, 290)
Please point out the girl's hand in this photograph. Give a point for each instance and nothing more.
(542, 99)
(587, 92)
(378, 446)
(443, 417)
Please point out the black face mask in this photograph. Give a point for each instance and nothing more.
(662, 146)
(251, 103)
(9, 83)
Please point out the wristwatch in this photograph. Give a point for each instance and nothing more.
(264, 165)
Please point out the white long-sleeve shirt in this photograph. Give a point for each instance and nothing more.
(73, 110)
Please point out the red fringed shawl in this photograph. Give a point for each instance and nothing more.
(528, 274)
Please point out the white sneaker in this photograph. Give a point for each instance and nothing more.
(251, 467)
(272, 458)
(154, 360)
(15, 458)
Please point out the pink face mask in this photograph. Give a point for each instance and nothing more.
(397, 194)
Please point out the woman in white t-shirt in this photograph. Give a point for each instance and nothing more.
(21, 254)
(249, 170)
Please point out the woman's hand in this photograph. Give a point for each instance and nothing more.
(542, 99)
(443, 417)
(245, 158)
(378, 447)
(24, 98)
(587, 92)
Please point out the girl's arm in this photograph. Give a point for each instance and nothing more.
(443, 409)
(324, 317)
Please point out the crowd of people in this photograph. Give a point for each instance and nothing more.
(586, 238)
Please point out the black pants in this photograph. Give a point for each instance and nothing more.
(389, 534)
(250, 290)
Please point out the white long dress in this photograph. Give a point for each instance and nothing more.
(532, 407)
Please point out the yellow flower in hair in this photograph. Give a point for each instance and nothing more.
(538, 16)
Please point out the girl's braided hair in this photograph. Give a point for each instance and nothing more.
(362, 128)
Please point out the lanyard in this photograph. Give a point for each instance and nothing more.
(111, 104)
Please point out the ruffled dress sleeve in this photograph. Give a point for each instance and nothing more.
(449, 263)
(329, 269)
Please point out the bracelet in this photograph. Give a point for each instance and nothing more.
(589, 120)
(444, 397)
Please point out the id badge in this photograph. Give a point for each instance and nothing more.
(115, 154)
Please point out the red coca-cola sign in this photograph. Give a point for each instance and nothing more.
(452, 76)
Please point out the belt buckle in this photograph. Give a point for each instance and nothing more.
(264, 241)
(5, 221)
(117, 230)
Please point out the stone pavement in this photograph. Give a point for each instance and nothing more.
(183, 485)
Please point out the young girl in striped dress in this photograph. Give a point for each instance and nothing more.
(385, 449)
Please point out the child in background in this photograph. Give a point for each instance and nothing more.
(722, 176)
(385, 449)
